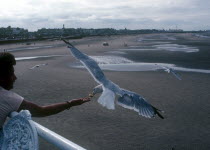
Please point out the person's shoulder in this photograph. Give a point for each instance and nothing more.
(4, 92)
(9, 94)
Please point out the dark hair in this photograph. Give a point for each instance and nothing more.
(7, 60)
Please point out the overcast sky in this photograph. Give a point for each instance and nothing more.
(118, 14)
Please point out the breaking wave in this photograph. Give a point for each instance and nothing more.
(111, 60)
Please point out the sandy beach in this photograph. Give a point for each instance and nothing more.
(186, 103)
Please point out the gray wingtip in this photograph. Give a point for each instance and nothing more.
(157, 112)
(68, 43)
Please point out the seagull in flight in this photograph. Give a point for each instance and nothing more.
(127, 99)
(39, 65)
(170, 70)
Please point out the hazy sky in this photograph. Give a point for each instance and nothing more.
(118, 14)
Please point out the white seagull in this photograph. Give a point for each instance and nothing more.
(39, 65)
(170, 70)
(127, 99)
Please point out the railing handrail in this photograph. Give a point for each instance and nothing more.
(52, 137)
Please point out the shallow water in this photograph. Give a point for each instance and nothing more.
(166, 47)
(116, 63)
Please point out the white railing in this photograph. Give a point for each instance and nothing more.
(56, 139)
(21, 132)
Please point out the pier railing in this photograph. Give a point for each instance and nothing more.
(21, 132)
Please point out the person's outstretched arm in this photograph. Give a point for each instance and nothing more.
(42, 111)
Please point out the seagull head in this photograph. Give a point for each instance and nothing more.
(98, 89)
(167, 70)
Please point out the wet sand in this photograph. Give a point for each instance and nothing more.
(186, 103)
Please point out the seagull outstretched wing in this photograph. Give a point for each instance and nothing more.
(175, 74)
(136, 102)
(170, 70)
(89, 63)
(39, 65)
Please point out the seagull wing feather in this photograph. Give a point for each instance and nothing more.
(107, 98)
(90, 64)
(176, 75)
(136, 102)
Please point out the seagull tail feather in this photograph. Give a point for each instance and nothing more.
(157, 111)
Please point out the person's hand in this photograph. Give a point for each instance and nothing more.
(76, 102)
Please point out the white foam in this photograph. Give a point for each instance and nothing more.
(167, 47)
(134, 66)
(137, 49)
(29, 48)
(176, 47)
(145, 39)
(111, 60)
(191, 70)
(152, 42)
(148, 39)
(35, 57)
(116, 52)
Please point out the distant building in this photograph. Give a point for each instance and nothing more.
(49, 32)
(16, 31)
(13, 33)
(175, 30)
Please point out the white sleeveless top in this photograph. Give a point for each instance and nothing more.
(9, 102)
